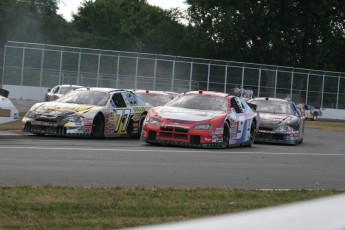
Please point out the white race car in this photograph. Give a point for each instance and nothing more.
(8, 111)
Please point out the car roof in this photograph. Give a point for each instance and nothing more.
(66, 85)
(208, 93)
(151, 92)
(269, 99)
(102, 89)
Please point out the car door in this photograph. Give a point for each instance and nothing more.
(241, 126)
(122, 113)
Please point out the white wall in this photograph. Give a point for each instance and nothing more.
(26, 92)
(333, 114)
(37, 94)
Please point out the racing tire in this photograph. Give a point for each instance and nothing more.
(314, 117)
(140, 128)
(140, 125)
(226, 136)
(98, 126)
(251, 140)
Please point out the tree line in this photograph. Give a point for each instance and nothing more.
(298, 33)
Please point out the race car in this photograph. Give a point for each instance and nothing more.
(154, 98)
(280, 121)
(95, 112)
(8, 112)
(58, 91)
(201, 119)
(309, 112)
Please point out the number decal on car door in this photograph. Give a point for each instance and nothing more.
(121, 120)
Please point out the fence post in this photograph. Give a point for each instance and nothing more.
(60, 67)
(23, 60)
(136, 72)
(292, 79)
(98, 67)
(191, 74)
(225, 77)
(323, 87)
(79, 63)
(338, 91)
(155, 73)
(208, 75)
(117, 71)
(173, 75)
(3, 66)
(259, 81)
(42, 65)
(242, 80)
(307, 89)
(275, 83)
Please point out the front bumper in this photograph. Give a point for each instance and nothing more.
(278, 138)
(182, 136)
(54, 129)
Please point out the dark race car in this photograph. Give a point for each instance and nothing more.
(201, 119)
(280, 121)
(96, 112)
(58, 91)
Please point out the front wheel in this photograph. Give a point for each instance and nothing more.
(226, 136)
(314, 117)
(98, 126)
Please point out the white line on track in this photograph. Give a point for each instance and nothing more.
(167, 150)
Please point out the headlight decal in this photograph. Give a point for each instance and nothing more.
(203, 127)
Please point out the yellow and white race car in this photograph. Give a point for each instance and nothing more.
(95, 112)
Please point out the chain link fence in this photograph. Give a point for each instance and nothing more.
(42, 65)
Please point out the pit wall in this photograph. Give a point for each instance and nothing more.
(38, 93)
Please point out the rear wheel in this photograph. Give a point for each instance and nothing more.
(226, 135)
(98, 126)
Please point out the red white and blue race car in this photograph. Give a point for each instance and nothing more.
(96, 112)
(201, 119)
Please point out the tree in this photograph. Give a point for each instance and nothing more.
(282, 32)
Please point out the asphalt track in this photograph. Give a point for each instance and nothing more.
(318, 163)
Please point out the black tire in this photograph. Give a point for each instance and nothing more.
(314, 117)
(226, 135)
(251, 140)
(98, 126)
(140, 125)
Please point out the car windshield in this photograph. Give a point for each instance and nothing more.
(270, 106)
(202, 102)
(85, 97)
(64, 90)
(155, 99)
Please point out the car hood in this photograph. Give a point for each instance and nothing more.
(60, 109)
(184, 114)
(273, 119)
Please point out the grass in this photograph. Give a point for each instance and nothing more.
(48, 207)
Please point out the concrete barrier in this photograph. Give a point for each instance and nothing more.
(33, 93)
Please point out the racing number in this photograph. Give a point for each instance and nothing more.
(121, 120)
(241, 121)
